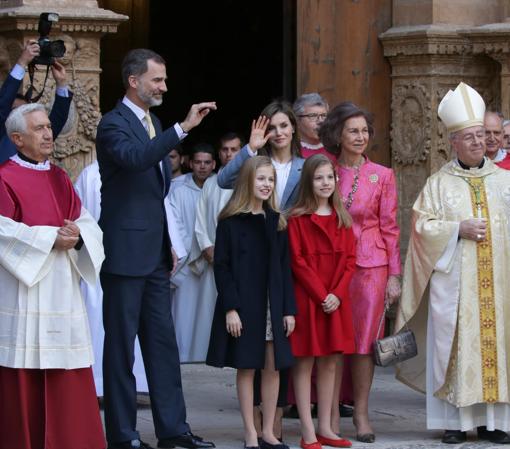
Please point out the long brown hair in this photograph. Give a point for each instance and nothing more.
(241, 200)
(285, 108)
(307, 202)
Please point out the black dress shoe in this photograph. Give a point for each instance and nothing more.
(266, 445)
(494, 436)
(187, 440)
(346, 411)
(133, 444)
(453, 437)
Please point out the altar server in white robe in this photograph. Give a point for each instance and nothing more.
(188, 309)
(212, 200)
(460, 250)
(88, 186)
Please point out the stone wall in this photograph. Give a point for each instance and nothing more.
(81, 25)
(432, 46)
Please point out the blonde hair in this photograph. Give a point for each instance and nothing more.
(241, 200)
(307, 201)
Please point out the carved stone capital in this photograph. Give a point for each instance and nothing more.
(423, 40)
(80, 27)
(71, 19)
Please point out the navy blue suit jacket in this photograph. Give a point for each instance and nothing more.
(58, 115)
(133, 216)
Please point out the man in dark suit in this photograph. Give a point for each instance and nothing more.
(132, 151)
(9, 97)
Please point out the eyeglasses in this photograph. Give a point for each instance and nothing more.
(314, 117)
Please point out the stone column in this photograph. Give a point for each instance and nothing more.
(81, 25)
(432, 46)
(493, 40)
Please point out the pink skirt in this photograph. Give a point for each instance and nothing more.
(367, 291)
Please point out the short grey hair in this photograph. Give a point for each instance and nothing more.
(312, 99)
(453, 135)
(506, 122)
(16, 121)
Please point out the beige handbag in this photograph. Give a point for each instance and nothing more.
(395, 348)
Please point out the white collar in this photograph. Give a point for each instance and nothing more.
(312, 146)
(137, 110)
(40, 166)
(500, 155)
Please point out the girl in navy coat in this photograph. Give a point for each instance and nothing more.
(255, 309)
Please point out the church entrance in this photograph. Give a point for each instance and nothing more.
(239, 54)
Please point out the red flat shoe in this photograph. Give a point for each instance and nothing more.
(314, 445)
(342, 442)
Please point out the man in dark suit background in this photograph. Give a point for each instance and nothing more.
(10, 98)
(132, 152)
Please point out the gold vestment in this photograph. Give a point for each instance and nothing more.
(477, 354)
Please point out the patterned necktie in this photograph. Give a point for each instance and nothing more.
(150, 126)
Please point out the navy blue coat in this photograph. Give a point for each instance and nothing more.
(133, 216)
(251, 265)
(58, 115)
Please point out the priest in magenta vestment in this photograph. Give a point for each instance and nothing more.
(48, 242)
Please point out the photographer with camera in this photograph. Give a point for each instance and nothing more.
(10, 98)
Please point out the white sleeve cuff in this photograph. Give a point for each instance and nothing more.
(444, 264)
(62, 92)
(180, 133)
(18, 72)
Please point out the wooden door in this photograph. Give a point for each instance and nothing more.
(339, 55)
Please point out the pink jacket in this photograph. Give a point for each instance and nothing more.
(374, 212)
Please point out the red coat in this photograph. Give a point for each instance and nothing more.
(322, 261)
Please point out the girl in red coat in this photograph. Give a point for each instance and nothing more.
(322, 249)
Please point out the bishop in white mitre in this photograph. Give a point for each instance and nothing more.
(456, 287)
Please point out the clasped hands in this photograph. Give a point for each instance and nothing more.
(473, 229)
(235, 326)
(331, 303)
(67, 236)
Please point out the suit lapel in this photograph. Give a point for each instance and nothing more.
(294, 176)
(134, 124)
(164, 172)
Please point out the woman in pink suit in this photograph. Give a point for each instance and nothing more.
(370, 195)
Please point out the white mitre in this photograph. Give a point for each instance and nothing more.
(461, 108)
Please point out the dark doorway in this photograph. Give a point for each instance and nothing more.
(239, 54)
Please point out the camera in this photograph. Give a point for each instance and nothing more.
(49, 49)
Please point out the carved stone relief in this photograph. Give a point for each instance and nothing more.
(410, 133)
